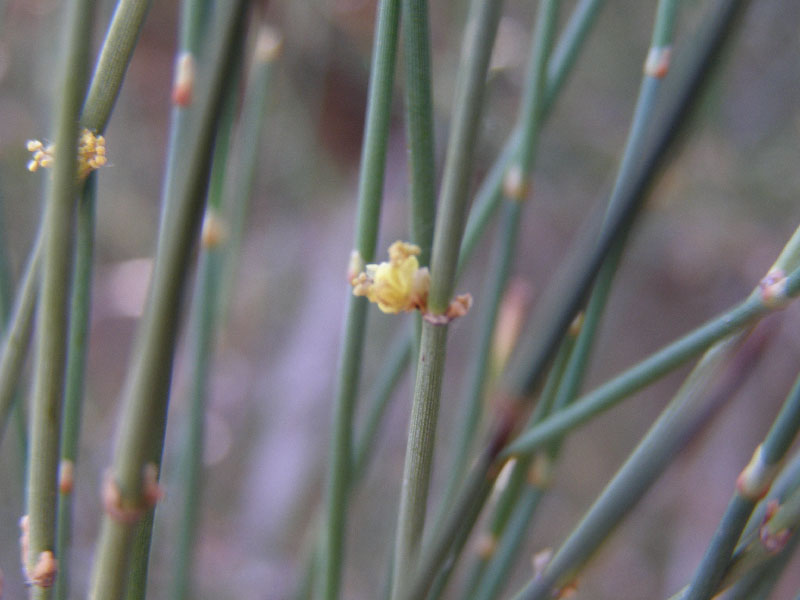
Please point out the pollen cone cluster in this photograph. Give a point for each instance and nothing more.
(399, 285)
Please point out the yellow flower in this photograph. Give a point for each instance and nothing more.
(399, 285)
(91, 154)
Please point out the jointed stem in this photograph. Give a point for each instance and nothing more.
(146, 390)
(481, 29)
(51, 348)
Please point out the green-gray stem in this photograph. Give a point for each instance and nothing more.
(419, 125)
(370, 190)
(80, 308)
(146, 391)
(51, 347)
(481, 29)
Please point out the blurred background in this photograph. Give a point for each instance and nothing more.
(714, 223)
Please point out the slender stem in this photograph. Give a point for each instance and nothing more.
(249, 135)
(520, 496)
(123, 33)
(759, 583)
(398, 358)
(481, 29)
(51, 349)
(370, 188)
(564, 55)
(106, 83)
(419, 455)
(645, 372)
(6, 304)
(193, 24)
(80, 308)
(203, 330)
(419, 124)
(457, 524)
(753, 482)
(477, 373)
(677, 424)
(517, 176)
(17, 334)
(510, 527)
(146, 392)
(589, 258)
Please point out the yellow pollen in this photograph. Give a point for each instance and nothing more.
(399, 285)
(91, 154)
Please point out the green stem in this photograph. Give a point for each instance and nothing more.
(519, 497)
(123, 33)
(17, 334)
(419, 125)
(6, 305)
(511, 533)
(561, 63)
(398, 358)
(247, 158)
(419, 454)
(80, 309)
(106, 83)
(759, 583)
(146, 392)
(204, 327)
(776, 443)
(458, 522)
(51, 349)
(645, 372)
(481, 29)
(193, 25)
(521, 168)
(370, 189)
(677, 424)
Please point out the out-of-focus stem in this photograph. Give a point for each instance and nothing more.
(370, 189)
(51, 341)
(80, 307)
(131, 488)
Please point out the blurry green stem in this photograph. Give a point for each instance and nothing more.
(419, 124)
(203, 332)
(17, 335)
(750, 487)
(647, 371)
(515, 193)
(51, 341)
(560, 65)
(192, 27)
(131, 485)
(117, 51)
(370, 190)
(80, 309)
(247, 158)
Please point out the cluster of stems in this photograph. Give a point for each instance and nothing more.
(219, 97)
